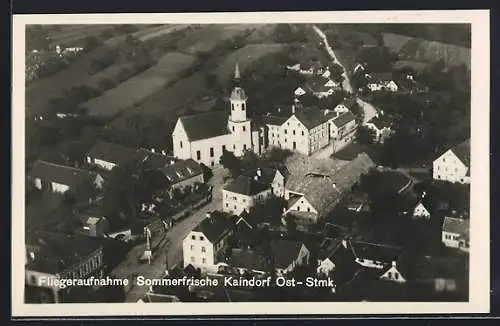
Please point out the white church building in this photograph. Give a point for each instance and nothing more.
(204, 136)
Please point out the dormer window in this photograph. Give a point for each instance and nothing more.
(243, 107)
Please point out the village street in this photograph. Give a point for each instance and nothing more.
(368, 109)
(173, 248)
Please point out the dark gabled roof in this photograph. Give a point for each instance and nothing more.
(311, 117)
(215, 226)
(114, 153)
(456, 225)
(285, 252)
(333, 231)
(273, 120)
(267, 173)
(155, 160)
(61, 174)
(380, 121)
(382, 76)
(462, 151)
(58, 251)
(205, 125)
(343, 119)
(246, 185)
(248, 259)
(182, 170)
(379, 252)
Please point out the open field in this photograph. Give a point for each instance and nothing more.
(206, 38)
(138, 88)
(110, 73)
(40, 92)
(244, 57)
(69, 34)
(158, 31)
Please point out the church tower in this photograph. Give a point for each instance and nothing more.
(238, 123)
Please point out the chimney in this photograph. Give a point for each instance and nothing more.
(344, 243)
(393, 263)
(259, 172)
(152, 150)
(293, 108)
(32, 255)
(256, 178)
(163, 152)
(208, 215)
(423, 194)
(334, 185)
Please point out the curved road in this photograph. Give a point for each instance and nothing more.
(368, 109)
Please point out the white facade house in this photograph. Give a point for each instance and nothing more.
(453, 165)
(455, 233)
(299, 91)
(393, 274)
(342, 129)
(381, 126)
(60, 178)
(203, 137)
(246, 191)
(202, 245)
(420, 211)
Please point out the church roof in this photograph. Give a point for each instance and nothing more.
(238, 94)
(205, 125)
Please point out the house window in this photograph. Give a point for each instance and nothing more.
(244, 200)
(202, 238)
(286, 131)
(180, 144)
(198, 155)
(204, 261)
(223, 148)
(232, 106)
(302, 133)
(293, 132)
(211, 152)
(389, 274)
(308, 209)
(192, 247)
(244, 147)
(234, 206)
(203, 249)
(298, 208)
(232, 128)
(192, 259)
(193, 237)
(243, 107)
(396, 276)
(212, 163)
(244, 128)
(234, 147)
(227, 205)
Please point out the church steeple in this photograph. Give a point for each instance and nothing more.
(237, 73)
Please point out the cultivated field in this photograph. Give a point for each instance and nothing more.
(207, 38)
(69, 34)
(111, 73)
(138, 88)
(40, 92)
(158, 31)
(244, 57)
(430, 51)
(395, 42)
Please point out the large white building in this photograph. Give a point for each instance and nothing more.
(203, 137)
(454, 164)
(201, 247)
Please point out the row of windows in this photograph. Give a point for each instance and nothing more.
(293, 132)
(244, 128)
(446, 169)
(193, 237)
(203, 249)
(203, 260)
(242, 106)
(451, 237)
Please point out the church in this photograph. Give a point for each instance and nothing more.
(203, 137)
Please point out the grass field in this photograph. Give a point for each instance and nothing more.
(431, 51)
(395, 42)
(244, 57)
(206, 38)
(110, 73)
(40, 92)
(158, 31)
(71, 34)
(133, 91)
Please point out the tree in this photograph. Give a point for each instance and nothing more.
(230, 162)
(365, 135)
(336, 72)
(249, 161)
(278, 155)
(291, 224)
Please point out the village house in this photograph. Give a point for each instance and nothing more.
(342, 126)
(246, 191)
(204, 243)
(183, 173)
(288, 254)
(316, 186)
(455, 233)
(318, 86)
(326, 253)
(309, 68)
(60, 178)
(247, 261)
(52, 255)
(381, 81)
(381, 125)
(372, 255)
(193, 137)
(108, 155)
(396, 271)
(420, 211)
(92, 223)
(453, 165)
